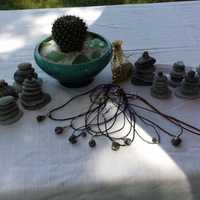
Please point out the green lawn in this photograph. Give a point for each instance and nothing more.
(24, 4)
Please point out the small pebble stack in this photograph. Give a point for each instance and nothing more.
(189, 88)
(24, 70)
(143, 74)
(32, 97)
(7, 90)
(160, 88)
(177, 74)
(9, 110)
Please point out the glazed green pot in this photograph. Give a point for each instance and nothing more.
(75, 75)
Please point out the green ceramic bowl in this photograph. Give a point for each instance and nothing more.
(75, 75)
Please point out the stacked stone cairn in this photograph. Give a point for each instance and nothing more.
(189, 88)
(32, 96)
(24, 71)
(9, 110)
(177, 74)
(7, 90)
(143, 73)
(160, 87)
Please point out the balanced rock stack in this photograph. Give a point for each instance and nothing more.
(7, 90)
(160, 88)
(9, 110)
(177, 74)
(189, 87)
(143, 73)
(32, 97)
(24, 71)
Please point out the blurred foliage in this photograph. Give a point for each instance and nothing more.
(26, 4)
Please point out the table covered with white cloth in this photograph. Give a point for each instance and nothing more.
(36, 164)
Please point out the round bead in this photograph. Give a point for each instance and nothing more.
(128, 141)
(84, 134)
(176, 141)
(59, 130)
(115, 146)
(154, 140)
(72, 139)
(92, 143)
(41, 118)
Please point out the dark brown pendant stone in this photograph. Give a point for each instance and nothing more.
(128, 141)
(59, 130)
(41, 118)
(176, 141)
(92, 143)
(115, 146)
(73, 139)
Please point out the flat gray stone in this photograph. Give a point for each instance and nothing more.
(179, 94)
(24, 66)
(9, 115)
(12, 120)
(36, 105)
(6, 100)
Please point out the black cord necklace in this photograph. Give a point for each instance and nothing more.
(111, 109)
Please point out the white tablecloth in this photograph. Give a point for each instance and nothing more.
(37, 164)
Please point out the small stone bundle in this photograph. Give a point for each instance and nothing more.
(7, 90)
(24, 70)
(32, 97)
(177, 74)
(121, 68)
(9, 110)
(143, 74)
(160, 88)
(189, 88)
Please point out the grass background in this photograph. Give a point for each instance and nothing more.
(25, 4)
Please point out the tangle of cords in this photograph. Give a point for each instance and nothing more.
(112, 113)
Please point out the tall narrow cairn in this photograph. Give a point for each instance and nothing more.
(143, 73)
(121, 68)
(160, 88)
(24, 71)
(32, 97)
(189, 88)
(177, 74)
(9, 110)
